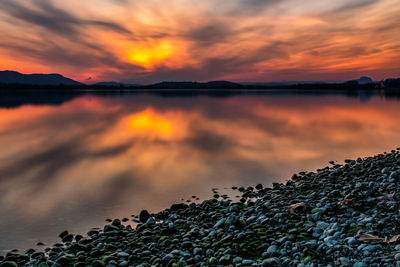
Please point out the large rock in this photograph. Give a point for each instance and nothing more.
(144, 216)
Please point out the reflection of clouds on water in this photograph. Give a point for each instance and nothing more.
(207, 141)
(95, 157)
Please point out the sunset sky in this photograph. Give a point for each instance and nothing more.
(239, 40)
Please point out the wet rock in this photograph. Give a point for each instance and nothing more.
(116, 222)
(68, 238)
(271, 262)
(226, 259)
(180, 206)
(219, 223)
(187, 244)
(63, 234)
(78, 237)
(150, 221)
(144, 216)
(213, 260)
(345, 261)
(98, 263)
(123, 254)
(167, 258)
(272, 251)
(232, 220)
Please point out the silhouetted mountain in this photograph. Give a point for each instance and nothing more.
(114, 84)
(11, 81)
(195, 85)
(392, 83)
(107, 84)
(365, 80)
(283, 83)
(13, 77)
(362, 81)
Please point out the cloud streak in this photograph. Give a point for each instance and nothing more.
(44, 14)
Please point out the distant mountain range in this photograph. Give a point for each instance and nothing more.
(195, 85)
(15, 80)
(13, 77)
(115, 84)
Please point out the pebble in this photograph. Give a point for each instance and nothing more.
(271, 262)
(123, 254)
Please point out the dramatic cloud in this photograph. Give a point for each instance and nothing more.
(54, 19)
(150, 41)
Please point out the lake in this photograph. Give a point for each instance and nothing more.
(71, 161)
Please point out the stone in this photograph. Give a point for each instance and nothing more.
(116, 222)
(213, 260)
(167, 257)
(187, 244)
(144, 216)
(322, 225)
(197, 251)
(151, 221)
(220, 223)
(271, 262)
(68, 238)
(232, 220)
(225, 259)
(345, 261)
(272, 251)
(123, 254)
(63, 234)
(98, 263)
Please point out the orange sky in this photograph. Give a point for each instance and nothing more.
(239, 40)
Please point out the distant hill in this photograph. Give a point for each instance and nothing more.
(392, 83)
(283, 83)
(195, 85)
(13, 77)
(114, 84)
(365, 80)
(14, 81)
(361, 81)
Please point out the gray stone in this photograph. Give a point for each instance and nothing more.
(271, 262)
(219, 223)
(123, 254)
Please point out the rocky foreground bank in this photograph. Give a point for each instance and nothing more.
(343, 215)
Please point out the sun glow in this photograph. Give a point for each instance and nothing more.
(148, 56)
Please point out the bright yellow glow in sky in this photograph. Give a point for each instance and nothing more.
(149, 55)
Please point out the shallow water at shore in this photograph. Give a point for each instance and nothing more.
(71, 165)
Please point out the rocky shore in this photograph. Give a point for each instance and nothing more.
(341, 215)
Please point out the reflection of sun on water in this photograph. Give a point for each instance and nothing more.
(147, 56)
(148, 121)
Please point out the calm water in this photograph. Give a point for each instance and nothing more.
(75, 162)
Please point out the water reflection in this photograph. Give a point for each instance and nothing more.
(92, 157)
